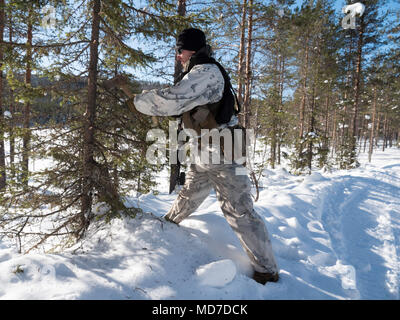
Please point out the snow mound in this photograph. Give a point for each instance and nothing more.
(314, 177)
(216, 274)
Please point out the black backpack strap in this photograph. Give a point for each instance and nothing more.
(228, 83)
(239, 107)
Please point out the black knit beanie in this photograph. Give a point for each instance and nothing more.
(191, 39)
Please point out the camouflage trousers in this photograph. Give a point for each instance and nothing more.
(233, 193)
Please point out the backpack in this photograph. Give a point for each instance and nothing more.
(225, 108)
(227, 104)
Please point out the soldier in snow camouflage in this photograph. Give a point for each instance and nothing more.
(203, 85)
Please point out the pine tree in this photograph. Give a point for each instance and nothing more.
(275, 78)
(97, 148)
(2, 109)
(248, 68)
(363, 40)
(314, 39)
(241, 58)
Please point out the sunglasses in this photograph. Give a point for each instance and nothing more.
(179, 50)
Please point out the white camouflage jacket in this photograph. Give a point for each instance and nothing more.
(204, 84)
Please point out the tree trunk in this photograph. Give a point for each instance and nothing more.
(241, 58)
(385, 126)
(347, 93)
(311, 130)
(26, 139)
(334, 132)
(248, 74)
(398, 137)
(12, 111)
(281, 88)
(89, 122)
(378, 125)
(326, 116)
(303, 99)
(356, 90)
(182, 13)
(2, 150)
(275, 106)
(372, 133)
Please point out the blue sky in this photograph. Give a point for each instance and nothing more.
(146, 74)
(338, 5)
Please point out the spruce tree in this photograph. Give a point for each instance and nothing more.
(99, 145)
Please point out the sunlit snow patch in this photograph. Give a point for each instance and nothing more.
(216, 274)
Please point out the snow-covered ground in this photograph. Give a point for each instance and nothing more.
(335, 236)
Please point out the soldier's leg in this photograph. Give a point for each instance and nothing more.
(233, 192)
(195, 190)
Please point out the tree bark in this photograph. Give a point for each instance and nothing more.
(385, 127)
(12, 111)
(26, 139)
(334, 132)
(372, 133)
(2, 148)
(248, 73)
(311, 130)
(89, 123)
(182, 13)
(303, 99)
(241, 57)
(356, 90)
(378, 127)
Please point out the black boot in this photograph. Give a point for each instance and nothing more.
(263, 278)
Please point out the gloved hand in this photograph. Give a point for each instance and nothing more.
(131, 104)
(116, 82)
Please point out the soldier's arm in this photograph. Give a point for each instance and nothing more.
(204, 84)
(122, 82)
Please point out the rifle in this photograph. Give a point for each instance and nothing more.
(176, 176)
